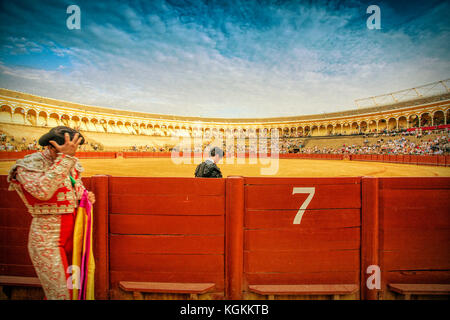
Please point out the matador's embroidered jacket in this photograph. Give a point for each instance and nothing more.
(44, 185)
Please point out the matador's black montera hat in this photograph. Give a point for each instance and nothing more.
(57, 134)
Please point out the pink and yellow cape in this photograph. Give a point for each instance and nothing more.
(83, 257)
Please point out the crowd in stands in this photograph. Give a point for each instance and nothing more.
(395, 144)
(11, 143)
(392, 142)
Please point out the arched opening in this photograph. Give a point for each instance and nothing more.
(307, 131)
(346, 129)
(65, 120)
(135, 128)
(354, 128)
(314, 131)
(53, 120)
(425, 120)
(143, 129)
(322, 130)
(76, 122)
(392, 124)
(42, 119)
(31, 118)
(5, 114)
(338, 128)
(157, 130)
(112, 127)
(128, 128)
(329, 131)
(402, 123)
(103, 126)
(121, 127)
(363, 126)
(19, 116)
(84, 124)
(92, 125)
(207, 133)
(372, 126)
(413, 121)
(150, 129)
(170, 131)
(382, 125)
(438, 118)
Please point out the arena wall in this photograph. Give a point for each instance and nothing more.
(239, 232)
(35, 111)
(430, 160)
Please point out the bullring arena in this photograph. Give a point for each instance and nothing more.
(350, 192)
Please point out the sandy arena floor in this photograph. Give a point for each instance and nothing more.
(164, 167)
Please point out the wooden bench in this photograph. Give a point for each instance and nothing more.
(138, 288)
(416, 289)
(334, 290)
(14, 281)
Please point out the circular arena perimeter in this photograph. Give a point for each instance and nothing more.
(165, 167)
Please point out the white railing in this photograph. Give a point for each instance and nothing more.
(427, 90)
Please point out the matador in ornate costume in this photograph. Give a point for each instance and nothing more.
(49, 183)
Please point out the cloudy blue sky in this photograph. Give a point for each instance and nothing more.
(233, 58)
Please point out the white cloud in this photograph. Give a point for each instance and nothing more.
(308, 63)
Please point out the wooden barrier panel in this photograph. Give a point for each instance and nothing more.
(99, 185)
(234, 241)
(301, 231)
(413, 159)
(414, 228)
(369, 234)
(392, 158)
(167, 230)
(14, 226)
(406, 158)
(441, 161)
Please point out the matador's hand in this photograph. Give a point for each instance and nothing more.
(91, 197)
(69, 147)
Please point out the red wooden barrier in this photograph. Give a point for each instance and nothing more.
(14, 225)
(96, 155)
(323, 249)
(166, 230)
(237, 232)
(13, 155)
(414, 228)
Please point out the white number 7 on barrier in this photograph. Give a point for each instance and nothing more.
(301, 211)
